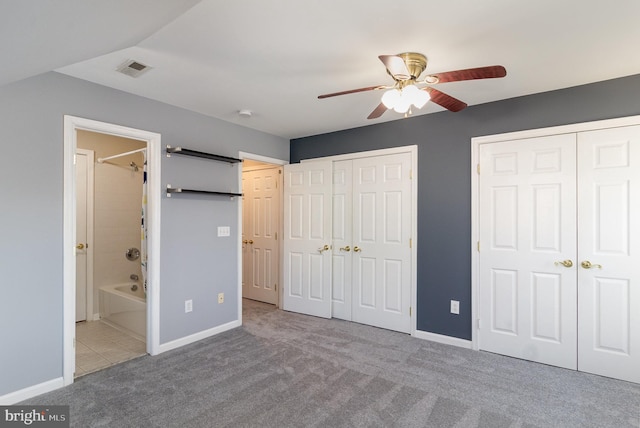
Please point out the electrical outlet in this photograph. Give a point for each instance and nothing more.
(188, 305)
(220, 297)
(224, 231)
(455, 307)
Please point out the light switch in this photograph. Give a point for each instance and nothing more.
(224, 231)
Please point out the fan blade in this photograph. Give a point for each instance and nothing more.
(395, 66)
(352, 91)
(490, 72)
(377, 112)
(444, 100)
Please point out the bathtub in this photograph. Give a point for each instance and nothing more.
(124, 309)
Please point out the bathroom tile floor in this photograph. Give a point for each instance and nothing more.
(99, 345)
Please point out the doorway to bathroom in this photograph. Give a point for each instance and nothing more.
(111, 237)
(110, 250)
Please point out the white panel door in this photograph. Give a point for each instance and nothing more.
(381, 249)
(259, 244)
(307, 238)
(81, 236)
(341, 290)
(609, 239)
(247, 256)
(527, 209)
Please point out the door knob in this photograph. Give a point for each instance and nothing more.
(80, 246)
(244, 241)
(357, 249)
(347, 248)
(565, 263)
(325, 248)
(588, 265)
(250, 241)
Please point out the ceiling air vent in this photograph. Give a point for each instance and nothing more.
(133, 68)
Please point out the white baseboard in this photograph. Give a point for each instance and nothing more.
(440, 338)
(31, 391)
(164, 347)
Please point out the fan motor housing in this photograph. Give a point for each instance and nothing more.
(416, 63)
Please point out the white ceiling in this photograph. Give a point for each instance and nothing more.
(275, 57)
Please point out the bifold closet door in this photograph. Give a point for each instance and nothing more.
(342, 256)
(527, 273)
(381, 232)
(307, 240)
(609, 252)
(371, 279)
(560, 248)
(348, 240)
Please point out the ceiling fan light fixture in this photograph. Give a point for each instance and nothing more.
(406, 69)
(401, 100)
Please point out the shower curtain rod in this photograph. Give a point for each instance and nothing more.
(100, 160)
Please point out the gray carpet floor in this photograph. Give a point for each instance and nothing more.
(288, 370)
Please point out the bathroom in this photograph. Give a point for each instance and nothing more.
(110, 292)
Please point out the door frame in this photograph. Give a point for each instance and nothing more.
(90, 154)
(154, 194)
(413, 150)
(476, 142)
(275, 162)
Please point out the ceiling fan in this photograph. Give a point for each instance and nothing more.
(407, 89)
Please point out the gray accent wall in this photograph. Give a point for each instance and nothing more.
(444, 177)
(195, 263)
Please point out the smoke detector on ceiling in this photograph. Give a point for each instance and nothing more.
(133, 68)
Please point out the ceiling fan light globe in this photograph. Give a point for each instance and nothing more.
(402, 106)
(410, 91)
(415, 96)
(420, 99)
(390, 98)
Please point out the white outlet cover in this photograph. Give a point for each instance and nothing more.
(224, 231)
(455, 307)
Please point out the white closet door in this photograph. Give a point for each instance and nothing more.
(381, 234)
(527, 300)
(260, 247)
(307, 240)
(609, 224)
(342, 242)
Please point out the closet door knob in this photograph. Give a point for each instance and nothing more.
(323, 249)
(347, 248)
(80, 246)
(565, 263)
(357, 249)
(588, 265)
